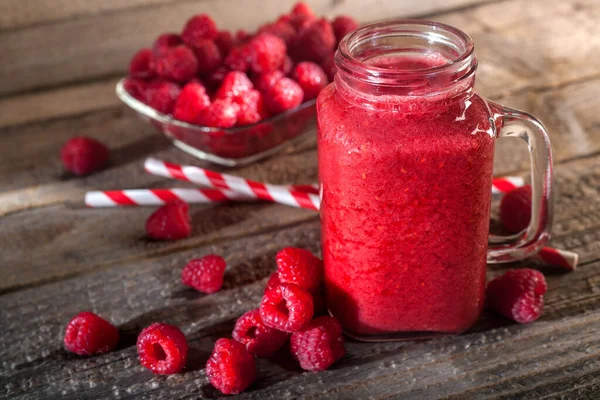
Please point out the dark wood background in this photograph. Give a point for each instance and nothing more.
(60, 62)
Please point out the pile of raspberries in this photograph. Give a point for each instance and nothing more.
(209, 77)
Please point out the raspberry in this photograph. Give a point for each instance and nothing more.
(191, 101)
(287, 308)
(319, 345)
(83, 155)
(300, 267)
(224, 42)
(169, 222)
(301, 13)
(235, 84)
(252, 108)
(311, 78)
(162, 348)
(222, 113)
(205, 274)
(515, 209)
(284, 95)
(329, 67)
(273, 282)
(177, 64)
(265, 81)
(165, 41)
(518, 294)
(136, 88)
(314, 42)
(214, 79)
(241, 36)
(287, 66)
(239, 59)
(142, 64)
(230, 368)
(161, 95)
(197, 28)
(208, 55)
(343, 25)
(258, 338)
(281, 29)
(88, 334)
(268, 52)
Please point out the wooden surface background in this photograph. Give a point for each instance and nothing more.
(60, 62)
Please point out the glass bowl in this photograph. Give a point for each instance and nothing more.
(230, 146)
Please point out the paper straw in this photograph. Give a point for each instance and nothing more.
(157, 197)
(558, 258)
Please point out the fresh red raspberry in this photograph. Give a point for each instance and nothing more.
(208, 55)
(165, 41)
(518, 294)
(329, 67)
(230, 368)
(222, 113)
(205, 274)
(284, 95)
(162, 348)
(259, 339)
(161, 95)
(273, 282)
(241, 37)
(252, 108)
(268, 52)
(281, 29)
(190, 103)
(311, 78)
(240, 58)
(264, 82)
(300, 267)
(88, 334)
(197, 28)
(235, 84)
(170, 222)
(287, 308)
(287, 66)
(319, 345)
(142, 64)
(301, 13)
(177, 64)
(215, 78)
(314, 42)
(515, 209)
(225, 42)
(136, 88)
(82, 155)
(343, 25)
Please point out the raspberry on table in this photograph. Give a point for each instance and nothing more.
(165, 41)
(281, 29)
(225, 42)
(142, 64)
(268, 52)
(222, 113)
(230, 368)
(259, 339)
(284, 95)
(252, 108)
(208, 55)
(300, 267)
(239, 58)
(273, 282)
(343, 25)
(314, 42)
(264, 82)
(177, 64)
(197, 28)
(88, 334)
(287, 308)
(205, 274)
(162, 348)
(311, 78)
(234, 84)
(518, 294)
(515, 209)
(162, 95)
(170, 222)
(319, 345)
(83, 155)
(329, 66)
(190, 103)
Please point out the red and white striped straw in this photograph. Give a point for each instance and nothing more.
(506, 184)
(158, 197)
(558, 258)
(294, 196)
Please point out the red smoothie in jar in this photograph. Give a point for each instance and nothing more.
(406, 177)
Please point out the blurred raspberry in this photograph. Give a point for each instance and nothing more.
(287, 66)
(82, 155)
(311, 78)
(239, 59)
(142, 64)
(284, 95)
(343, 25)
(215, 78)
(177, 64)
(165, 41)
(241, 37)
(225, 42)
(222, 113)
(205, 274)
(136, 88)
(515, 209)
(259, 339)
(161, 95)
(287, 308)
(197, 28)
(319, 345)
(264, 82)
(252, 108)
(329, 67)
(162, 348)
(208, 55)
(300, 267)
(170, 222)
(88, 334)
(234, 84)
(268, 52)
(190, 103)
(518, 294)
(230, 368)
(301, 14)
(283, 30)
(314, 42)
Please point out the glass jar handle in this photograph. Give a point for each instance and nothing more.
(514, 123)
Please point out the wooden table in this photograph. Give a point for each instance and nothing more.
(57, 258)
